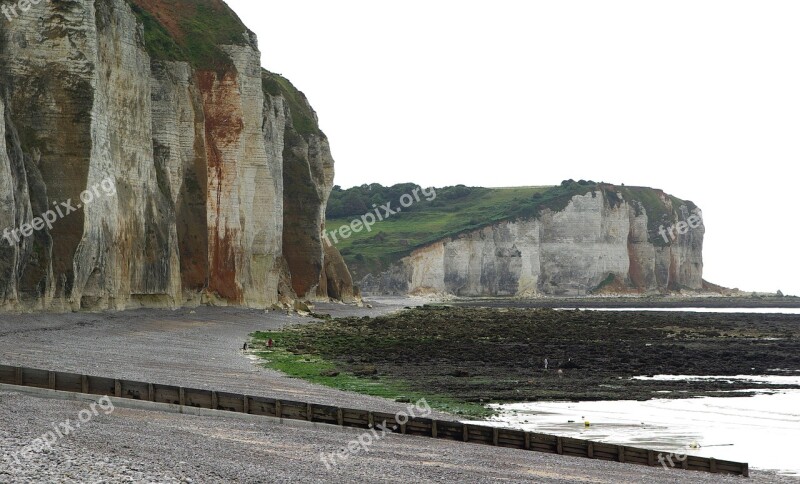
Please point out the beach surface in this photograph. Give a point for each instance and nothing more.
(201, 348)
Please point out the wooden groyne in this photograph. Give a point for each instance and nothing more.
(361, 419)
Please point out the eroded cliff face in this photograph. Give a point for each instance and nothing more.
(308, 171)
(185, 166)
(595, 244)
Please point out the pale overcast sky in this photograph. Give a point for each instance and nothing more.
(698, 98)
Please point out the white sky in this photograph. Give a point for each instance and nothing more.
(699, 98)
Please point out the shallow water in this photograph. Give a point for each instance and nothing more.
(762, 430)
(786, 377)
(698, 310)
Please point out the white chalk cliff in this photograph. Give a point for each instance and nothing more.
(213, 176)
(593, 244)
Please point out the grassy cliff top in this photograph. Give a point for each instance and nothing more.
(190, 30)
(193, 31)
(304, 119)
(460, 209)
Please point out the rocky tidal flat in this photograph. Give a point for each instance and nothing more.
(486, 355)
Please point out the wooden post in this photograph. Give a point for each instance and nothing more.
(117, 388)
(434, 429)
(559, 446)
(466, 433)
(590, 450)
(278, 410)
(84, 384)
(18, 376)
(340, 417)
(745, 470)
(621, 453)
(310, 413)
(527, 441)
(246, 404)
(651, 458)
(371, 419)
(51, 376)
(214, 400)
(151, 393)
(685, 463)
(181, 396)
(495, 436)
(712, 464)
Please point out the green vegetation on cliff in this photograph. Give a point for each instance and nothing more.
(454, 210)
(657, 213)
(461, 209)
(304, 119)
(191, 31)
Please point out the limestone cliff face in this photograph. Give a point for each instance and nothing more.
(185, 165)
(336, 281)
(596, 243)
(308, 171)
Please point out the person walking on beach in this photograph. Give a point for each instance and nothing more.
(546, 363)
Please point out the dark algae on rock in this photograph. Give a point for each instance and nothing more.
(489, 355)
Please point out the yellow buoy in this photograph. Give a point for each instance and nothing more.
(587, 424)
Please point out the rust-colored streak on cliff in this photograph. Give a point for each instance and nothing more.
(166, 99)
(224, 125)
(635, 271)
(673, 273)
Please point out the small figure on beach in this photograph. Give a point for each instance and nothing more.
(270, 343)
(244, 348)
(546, 363)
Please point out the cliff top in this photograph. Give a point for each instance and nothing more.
(190, 30)
(460, 209)
(304, 118)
